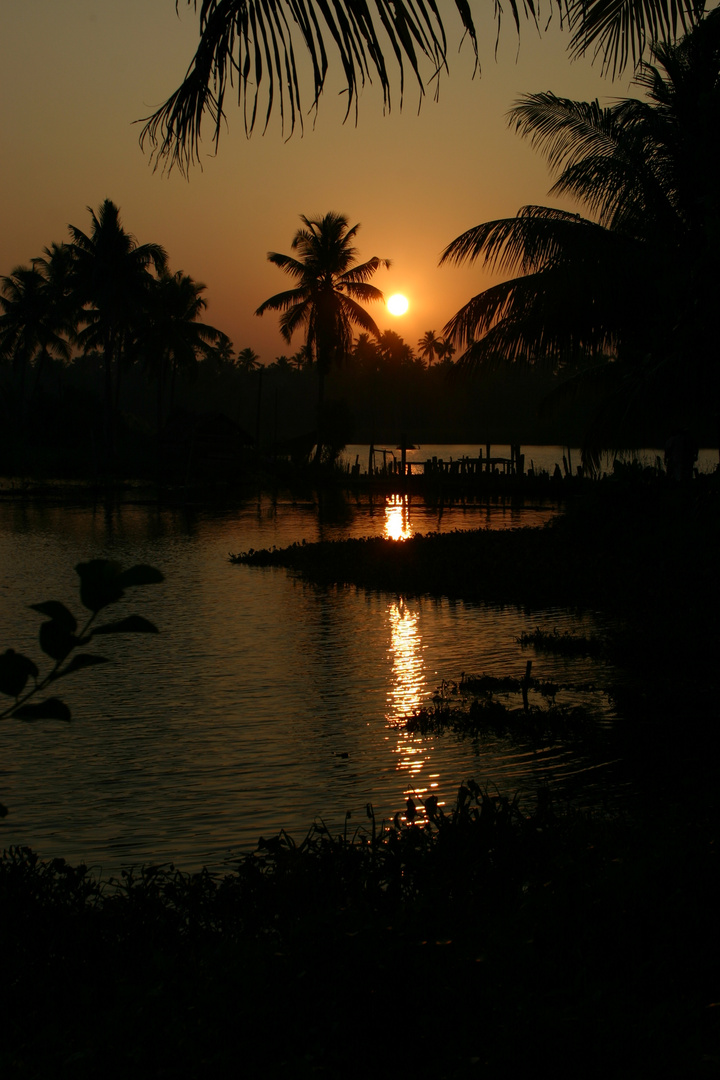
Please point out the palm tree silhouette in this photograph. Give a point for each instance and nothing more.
(32, 325)
(446, 351)
(173, 337)
(248, 359)
(251, 46)
(327, 299)
(110, 279)
(429, 346)
(634, 284)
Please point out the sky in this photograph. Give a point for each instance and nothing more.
(77, 76)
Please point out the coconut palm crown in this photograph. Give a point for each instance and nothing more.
(327, 301)
(633, 282)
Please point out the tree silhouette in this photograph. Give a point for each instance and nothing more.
(429, 346)
(32, 325)
(173, 337)
(635, 284)
(445, 350)
(327, 299)
(248, 359)
(110, 279)
(256, 47)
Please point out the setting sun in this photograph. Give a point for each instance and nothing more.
(397, 304)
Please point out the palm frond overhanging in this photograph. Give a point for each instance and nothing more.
(619, 31)
(255, 50)
(635, 282)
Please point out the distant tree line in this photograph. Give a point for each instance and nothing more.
(76, 323)
(103, 347)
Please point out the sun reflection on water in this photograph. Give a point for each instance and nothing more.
(397, 518)
(407, 692)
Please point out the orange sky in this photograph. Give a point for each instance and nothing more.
(76, 75)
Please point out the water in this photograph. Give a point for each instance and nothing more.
(265, 702)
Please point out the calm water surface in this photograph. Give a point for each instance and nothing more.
(265, 702)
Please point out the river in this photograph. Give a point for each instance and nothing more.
(265, 702)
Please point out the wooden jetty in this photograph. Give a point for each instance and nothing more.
(387, 464)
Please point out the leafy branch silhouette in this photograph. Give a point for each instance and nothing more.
(102, 582)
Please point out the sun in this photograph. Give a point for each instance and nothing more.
(397, 304)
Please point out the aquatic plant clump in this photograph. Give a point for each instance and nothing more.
(564, 644)
(488, 715)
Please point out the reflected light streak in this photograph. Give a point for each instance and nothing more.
(408, 670)
(397, 518)
(406, 693)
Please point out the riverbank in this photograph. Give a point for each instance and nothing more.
(495, 936)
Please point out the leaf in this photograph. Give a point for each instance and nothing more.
(134, 624)
(82, 660)
(100, 583)
(15, 670)
(141, 575)
(56, 640)
(58, 613)
(50, 709)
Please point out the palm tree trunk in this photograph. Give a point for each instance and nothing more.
(322, 369)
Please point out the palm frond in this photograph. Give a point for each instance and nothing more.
(293, 267)
(619, 31)
(255, 47)
(351, 313)
(532, 239)
(564, 130)
(612, 159)
(284, 300)
(362, 273)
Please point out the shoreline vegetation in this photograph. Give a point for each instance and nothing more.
(488, 935)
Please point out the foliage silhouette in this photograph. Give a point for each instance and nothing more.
(109, 279)
(174, 338)
(632, 287)
(102, 583)
(253, 47)
(34, 329)
(330, 291)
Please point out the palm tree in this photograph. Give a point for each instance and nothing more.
(327, 299)
(32, 324)
(248, 359)
(302, 358)
(251, 46)
(429, 346)
(394, 351)
(110, 280)
(634, 284)
(173, 336)
(446, 351)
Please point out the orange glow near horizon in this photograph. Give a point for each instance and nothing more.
(247, 199)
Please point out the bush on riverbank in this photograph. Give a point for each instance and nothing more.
(487, 938)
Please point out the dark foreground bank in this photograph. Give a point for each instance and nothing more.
(494, 937)
(489, 939)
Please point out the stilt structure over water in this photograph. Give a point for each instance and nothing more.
(392, 465)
